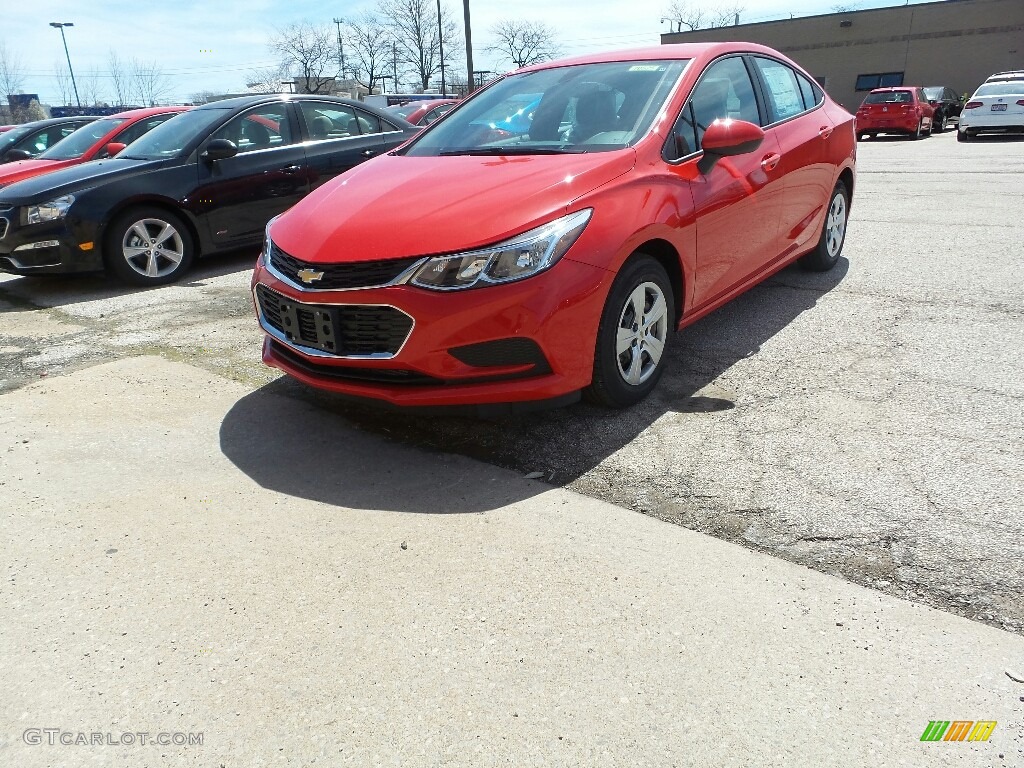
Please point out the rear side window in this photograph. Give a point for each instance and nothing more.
(785, 99)
(813, 95)
(328, 121)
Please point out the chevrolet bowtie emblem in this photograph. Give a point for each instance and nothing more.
(309, 275)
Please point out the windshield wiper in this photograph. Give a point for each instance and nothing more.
(518, 150)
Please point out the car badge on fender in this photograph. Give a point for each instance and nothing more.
(309, 276)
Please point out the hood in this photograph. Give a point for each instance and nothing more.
(26, 169)
(397, 206)
(71, 179)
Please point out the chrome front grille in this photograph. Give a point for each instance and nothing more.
(338, 277)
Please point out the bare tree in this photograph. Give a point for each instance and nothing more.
(149, 83)
(845, 8)
(370, 50)
(687, 17)
(413, 25)
(203, 97)
(523, 42)
(309, 52)
(62, 79)
(120, 80)
(12, 73)
(269, 80)
(89, 88)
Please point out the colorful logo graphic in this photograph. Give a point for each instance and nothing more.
(958, 730)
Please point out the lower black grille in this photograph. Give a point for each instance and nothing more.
(502, 352)
(346, 330)
(362, 274)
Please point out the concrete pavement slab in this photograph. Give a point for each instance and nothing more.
(185, 555)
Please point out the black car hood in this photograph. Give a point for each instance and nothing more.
(48, 186)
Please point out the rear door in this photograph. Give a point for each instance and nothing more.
(338, 137)
(240, 194)
(803, 131)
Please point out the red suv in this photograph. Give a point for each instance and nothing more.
(478, 264)
(895, 110)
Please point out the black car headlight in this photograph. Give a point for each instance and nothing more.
(50, 211)
(521, 256)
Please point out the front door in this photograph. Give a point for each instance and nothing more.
(240, 194)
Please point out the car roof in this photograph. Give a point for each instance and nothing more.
(657, 53)
(149, 111)
(890, 89)
(53, 120)
(269, 98)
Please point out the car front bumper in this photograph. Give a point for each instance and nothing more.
(531, 340)
(52, 247)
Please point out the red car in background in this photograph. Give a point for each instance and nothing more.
(473, 265)
(102, 138)
(905, 110)
(423, 112)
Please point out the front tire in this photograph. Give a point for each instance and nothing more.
(633, 335)
(148, 246)
(833, 234)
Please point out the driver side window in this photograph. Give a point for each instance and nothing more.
(724, 91)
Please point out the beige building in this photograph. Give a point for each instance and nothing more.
(957, 43)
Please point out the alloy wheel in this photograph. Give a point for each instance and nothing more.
(152, 247)
(641, 333)
(835, 226)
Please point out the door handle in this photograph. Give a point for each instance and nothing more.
(768, 162)
(292, 168)
(368, 152)
(825, 131)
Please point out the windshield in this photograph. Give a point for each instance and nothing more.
(933, 93)
(406, 109)
(581, 108)
(1013, 88)
(171, 138)
(81, 141)
(890, 97)
(9, 138)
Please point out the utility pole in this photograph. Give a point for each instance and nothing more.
(60, 25)
(394, 63)
(469, 47)
(440, 44)
(341, 47)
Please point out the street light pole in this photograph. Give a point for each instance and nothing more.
(469, 47)
(60, 25)
(440, 43)
(341, 47)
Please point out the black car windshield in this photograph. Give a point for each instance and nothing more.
(572, 109)
(9, 138)
(170, 139)
(1013, 88)
(933, 93)
(78, 143)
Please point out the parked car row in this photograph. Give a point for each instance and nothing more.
(195, 183)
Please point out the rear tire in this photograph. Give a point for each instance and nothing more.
(917, 134)
(942, 122)
(860, 137)
(633, 336)
(148, 246)
(963, 135)
(833, 233)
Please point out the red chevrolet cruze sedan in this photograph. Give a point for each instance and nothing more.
(485, 263)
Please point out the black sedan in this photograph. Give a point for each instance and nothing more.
(30, 139)
(947, 105)
(207, 180)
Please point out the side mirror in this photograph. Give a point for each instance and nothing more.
(17, 154)
(114, 147)
(726, 138)
(220, 149)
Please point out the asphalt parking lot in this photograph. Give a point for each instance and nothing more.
(865, 422)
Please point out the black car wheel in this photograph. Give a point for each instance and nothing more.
(633, 335)
(149, 246)
(833, 233)
(939, 122)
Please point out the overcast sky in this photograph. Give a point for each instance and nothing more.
(211, 45)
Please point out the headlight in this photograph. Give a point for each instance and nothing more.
(522, 256)
(51, 211)
(267, 243)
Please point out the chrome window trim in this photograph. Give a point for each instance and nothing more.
(401, 279)
(310, 351)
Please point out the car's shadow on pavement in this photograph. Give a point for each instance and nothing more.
(303, 442)
(49, 291)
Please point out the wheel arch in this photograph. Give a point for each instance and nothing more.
(665, 254)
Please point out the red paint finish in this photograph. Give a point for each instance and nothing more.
(26, 169)
(727, 227)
